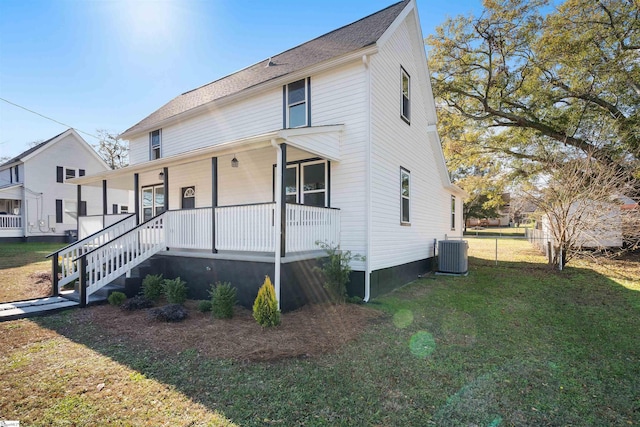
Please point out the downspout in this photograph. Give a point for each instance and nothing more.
(277, 215)
(367, 272)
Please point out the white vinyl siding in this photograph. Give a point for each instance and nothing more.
(395, 144)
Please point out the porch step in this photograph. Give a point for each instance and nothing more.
(31, 308)
(98, 297)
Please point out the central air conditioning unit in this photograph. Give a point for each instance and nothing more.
(452, 256)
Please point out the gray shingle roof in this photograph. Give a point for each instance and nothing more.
(30, 150)
(349, 38)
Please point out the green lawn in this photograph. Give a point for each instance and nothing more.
(495, 231)
(18, 263)
(517, 344)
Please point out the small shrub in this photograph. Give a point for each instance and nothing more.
(116, 298)
(175, 291)
(168, 313)
(204, 306)
(265, 306)
(138, 302)
(336, 269)
(223, 298)
(355, 300)
(152, 286)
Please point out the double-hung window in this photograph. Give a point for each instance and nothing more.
(291, 184)
(69, 173)
(453, 212)
(405, 196)
(405, 109)
(296, 97)
(152, 201)
(307, 183)
(155, 144)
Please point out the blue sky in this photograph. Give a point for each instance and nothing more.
(107, 64)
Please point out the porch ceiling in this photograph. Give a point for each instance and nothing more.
(323, 141)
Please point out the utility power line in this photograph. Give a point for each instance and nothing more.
(48, 118)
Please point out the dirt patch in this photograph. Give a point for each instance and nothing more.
(307, 332)
(40, 283)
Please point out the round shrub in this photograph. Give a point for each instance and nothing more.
(175, 291)
(137, 303)
(265, 306)
(223, 298)
(204, 306)
(116, 298)
(153, 286)
(168, 313)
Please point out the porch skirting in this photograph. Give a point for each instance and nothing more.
(299, 283)
(387, 279)
(34, 239)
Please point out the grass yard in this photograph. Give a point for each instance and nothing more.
(513, 345)
(24, 271)
(495, 231)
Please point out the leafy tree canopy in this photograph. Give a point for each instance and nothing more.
(535, 85)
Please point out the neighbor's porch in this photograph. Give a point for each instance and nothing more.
(11, 213)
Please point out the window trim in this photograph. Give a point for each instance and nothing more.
(299, 165)
(306, 102)
(453, 212)
(402, 197)
(406, 117)
(151, 147)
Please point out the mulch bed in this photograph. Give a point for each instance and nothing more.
(307, 332)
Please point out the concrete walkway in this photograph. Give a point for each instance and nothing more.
(35, 307)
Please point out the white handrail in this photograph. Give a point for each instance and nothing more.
(67, 256)
(116, 257)
(10, 221)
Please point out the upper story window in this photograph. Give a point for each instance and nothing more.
(155, 144)
(453, 212)
(405, 111)
(64, 173)
(296, 98)
(405, 196)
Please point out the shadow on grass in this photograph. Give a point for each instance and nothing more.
(516, 344)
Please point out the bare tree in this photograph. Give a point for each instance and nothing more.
(579, 204)
(113, 150)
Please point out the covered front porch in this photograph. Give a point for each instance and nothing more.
(11, 211)
(264, 196)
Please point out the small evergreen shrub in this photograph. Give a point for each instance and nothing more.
(152, 286)
(168, 313)
(355, 300)
(265, 306)
(223, 298)
(175, 291)
(138, 302)
(336, 269)
(116, 298)
(204, 306)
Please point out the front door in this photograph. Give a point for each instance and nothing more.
(188, 197)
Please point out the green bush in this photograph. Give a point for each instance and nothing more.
(138, 302)
(175, 290)
(336, 268)
(355, 300)
(265, 306)
(204, 306)
(153, 286)
(168, 313)
(223, 298)
(116, 298)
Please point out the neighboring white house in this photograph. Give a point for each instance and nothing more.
(334, 140)
(36, 201)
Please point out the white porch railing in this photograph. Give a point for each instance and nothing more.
(245, 228)
(66, 256)
(88, 225)
(10, 221)
(307, 225)
(118, 256)
(189, 229)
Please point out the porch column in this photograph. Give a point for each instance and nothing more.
(104, 200)
(283, 199)
(214, 201)
(136, 196)
(78, 209)
(166, 188)
(278, 224)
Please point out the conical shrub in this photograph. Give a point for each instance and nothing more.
(265, 306)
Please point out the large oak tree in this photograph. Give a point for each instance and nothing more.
(543, 84)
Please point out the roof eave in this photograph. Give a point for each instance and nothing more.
(254, 90)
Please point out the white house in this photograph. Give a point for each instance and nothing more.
(333, 140)
(37, 203)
